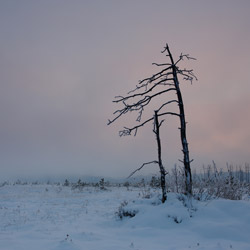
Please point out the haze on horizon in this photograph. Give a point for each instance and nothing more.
(62, 63)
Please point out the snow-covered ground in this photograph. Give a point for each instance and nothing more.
(47, 217)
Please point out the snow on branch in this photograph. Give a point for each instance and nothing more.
(149, 88)
(128, 131)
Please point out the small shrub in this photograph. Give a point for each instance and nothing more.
(126, 184)
(102, 184)
(123, 212)
(155, 182)
(79, 185)
(66, 183)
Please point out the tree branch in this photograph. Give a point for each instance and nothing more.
(136, 106)
(153, 77)
(155, 162)
(164, 104)
(142, 93)
(162, 64)
(169, 113)
(127, 131)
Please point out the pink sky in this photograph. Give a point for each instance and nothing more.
(62, 63)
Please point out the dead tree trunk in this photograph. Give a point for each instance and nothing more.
(161, 83)
(186, 161)
(162, 169)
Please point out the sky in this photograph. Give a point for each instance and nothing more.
(63, 62)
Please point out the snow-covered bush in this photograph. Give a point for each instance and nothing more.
(218, 184)
(79, 185)
(124, 211)
(233, 185)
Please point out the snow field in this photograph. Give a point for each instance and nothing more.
(51, 217)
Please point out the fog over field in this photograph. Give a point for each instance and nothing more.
(63, 62)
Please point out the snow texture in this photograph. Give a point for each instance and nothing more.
(58, 218)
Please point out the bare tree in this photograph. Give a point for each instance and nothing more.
(161, 83)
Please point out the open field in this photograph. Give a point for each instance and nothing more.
(57, 217)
